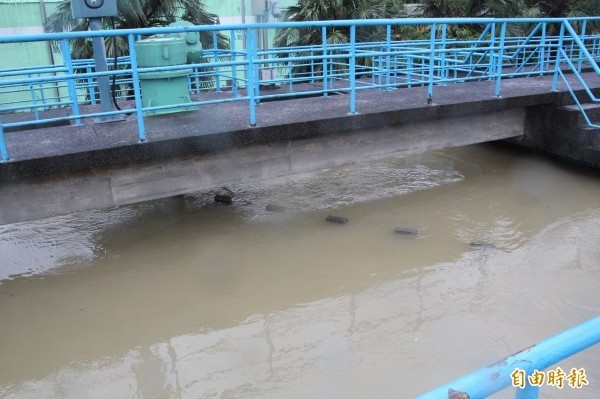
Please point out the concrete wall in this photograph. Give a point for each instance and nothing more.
(110, 186)
(561, 132)
(23, 17)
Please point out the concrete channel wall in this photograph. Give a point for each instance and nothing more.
(62, 170)
(105, 187)
(561, 132)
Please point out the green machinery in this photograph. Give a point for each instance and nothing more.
(168, 87)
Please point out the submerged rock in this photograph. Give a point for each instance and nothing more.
(482, 245)
(223, 199)
(336, 219)
(275, 208)
(406, 232)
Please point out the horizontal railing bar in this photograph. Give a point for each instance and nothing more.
(270, 25)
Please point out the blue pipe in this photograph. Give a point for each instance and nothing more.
(3, 149)
(489, 380)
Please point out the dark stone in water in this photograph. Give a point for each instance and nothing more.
(336, 219)
(223, 199)
(406, 232)
(482, 245)
(275, 208)
(228, 191)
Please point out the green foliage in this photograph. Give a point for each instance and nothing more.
(317, 10)
(135, 14)
(326, 10)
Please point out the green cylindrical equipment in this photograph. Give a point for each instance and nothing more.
(164, 87)
(192, 41)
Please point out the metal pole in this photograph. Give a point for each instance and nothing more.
(103, 81)
(583, 41)
(543, 50)
(250, 74)
(558, 48)
(353, 69)
(492, 51)
(324, 41)
(442, 73)
(431, 61)
(388, 41)
(136, 89)
(216, 58)
(500, 56)
(3, 149)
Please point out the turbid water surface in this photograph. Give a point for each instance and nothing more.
(185, 298)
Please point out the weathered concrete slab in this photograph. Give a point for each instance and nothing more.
(111, 186)
(217, 126)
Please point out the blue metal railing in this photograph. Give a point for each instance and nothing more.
(487, 381)
(563, 57)
(321, 69)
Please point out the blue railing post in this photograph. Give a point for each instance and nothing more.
(325, 67)
(431, 62)
(66, 53)
(258, 66)
(500, 59)
(250, 90)
(197, 79)
(492, 50)
(409, 75)
(136, 89)
(291, 76)
(388, 42)
(216, 50)
(33, 100)
(543, 49)
(583, 26)
(443, 72)
(3, 149)
(234, 86)
(312, 68)
(353, 69)
(42, 96)
(91, 87)
(557, 63)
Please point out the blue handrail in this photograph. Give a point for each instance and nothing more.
(403, 63)
(489, 380)
(563, 57)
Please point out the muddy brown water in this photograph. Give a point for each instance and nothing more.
(185, 298)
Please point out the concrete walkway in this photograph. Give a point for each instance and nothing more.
(67, 149)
